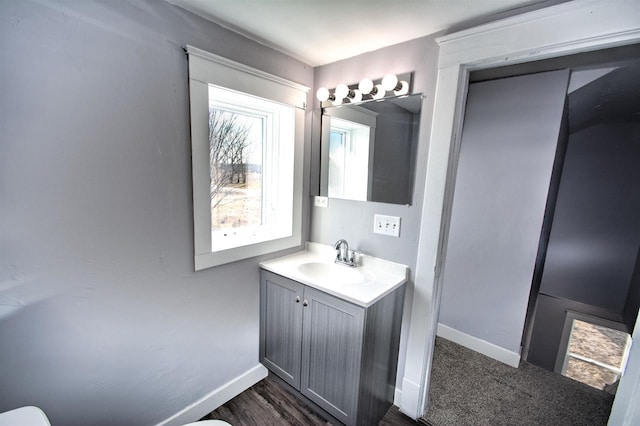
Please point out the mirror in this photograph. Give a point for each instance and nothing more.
(368, 150)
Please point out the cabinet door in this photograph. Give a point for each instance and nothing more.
(281, 326)
(331, 353)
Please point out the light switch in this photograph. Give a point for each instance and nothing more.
(386, 225)
(320, 201)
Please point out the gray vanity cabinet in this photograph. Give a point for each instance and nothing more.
(331, 353)
(338, 355)
(281, 326)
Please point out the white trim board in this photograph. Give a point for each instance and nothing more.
(217, 397)
(409, 396)
(481, 346)
(626, 410)
(212, 57)
(397, 396)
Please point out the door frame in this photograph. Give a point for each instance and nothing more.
(567, 28)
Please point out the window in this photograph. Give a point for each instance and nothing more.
(593, 351)
(348, 160)
(348, 173)
(251, 145)
(247, 140)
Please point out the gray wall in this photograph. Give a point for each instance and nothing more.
(509, 140)
(593, 246)
(596, 226)
(353, 220)
(102, 317)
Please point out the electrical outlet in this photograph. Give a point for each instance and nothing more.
(320, 201)
(386, 225)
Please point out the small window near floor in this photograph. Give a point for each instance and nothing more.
(596, 352)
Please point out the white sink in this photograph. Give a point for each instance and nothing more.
(332, 272)
(369, 281)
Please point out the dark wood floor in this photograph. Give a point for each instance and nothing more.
(270, 404)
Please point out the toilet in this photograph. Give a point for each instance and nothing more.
(24, 416)
(34, 416)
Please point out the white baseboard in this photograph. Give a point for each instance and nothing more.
(217, 397)
(479, 345)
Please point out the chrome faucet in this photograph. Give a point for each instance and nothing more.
(344, 256)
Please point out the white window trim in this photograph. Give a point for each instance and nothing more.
(206, 68)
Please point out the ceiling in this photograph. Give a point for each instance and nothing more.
(319, 32)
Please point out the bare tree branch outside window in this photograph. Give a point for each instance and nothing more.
(228, 143)
(235, 172)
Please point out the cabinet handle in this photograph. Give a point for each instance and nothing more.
(305, 303)
(297, 299)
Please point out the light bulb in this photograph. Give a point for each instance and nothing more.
(378, 92)
(336, 101)
(322, 94)
(342, 90)
(365, 86)
(390, 82)
(357, 96)
(403, 90)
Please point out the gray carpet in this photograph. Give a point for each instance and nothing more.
(468, 388)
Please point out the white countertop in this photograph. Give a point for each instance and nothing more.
(380, 277)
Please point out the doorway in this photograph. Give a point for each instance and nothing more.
(521, 39)
(513, 128)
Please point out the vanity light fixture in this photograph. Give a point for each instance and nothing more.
(404, 89)
(323, 95)
(342, 91)
(357, 96)
(390, 82)
(378, 92)
(366, 90)
(366, 86)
